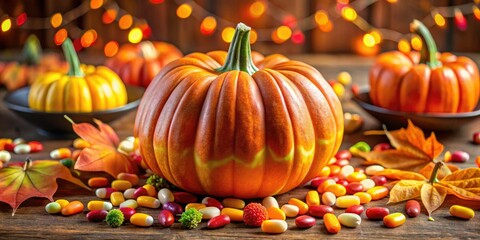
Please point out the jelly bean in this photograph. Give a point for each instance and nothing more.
(3, 142)
(5, 156)
(314, 183)
(121, 185)
(393, 220)
(234, 214)
(356, 177)
(344, 78)
(360, 146)
(290, 210)
(274, 226)
(382, 147)
(378, 192)
(476, 137)
(97, 215)
(151, 190)
(67, 162)
(141, 191)
(130, 193)
(312, 198)
(9, 147)
(364, 197)
(219, 221)
(356, 209)
(373, 169)
(305, 221)
(334, 170)
(209, 212)
(233, 203)
(457, 156)
(184, 197)
(276, 213)
(377, 213)
(342, 182)
(324, 184)
(99, 205)
(379, 180)
(320, 210)
(354, 187)
(461, 212)
(17, 141)
(269, 201)
(342, 162)
(351, 220)
(331, 223)
(127, 212)
(116, 198)
(61, 153)
(96, 182)
(147, 201)
(72, 208)
(79, 143)
(328, 199)
(412, 208)
(477, 161)
(302, 206)
(62, 202)
(35, 146)
(165, 195)
(104, 192)
(197, 206)
(166, 218)
(22, 148)
(367, 184)
(343, 154)
(53, 207)
(325, 172)
(126, 146)
(141, 220)
(173, 207)
(130, 203)
(212, 202)
(347, 201)
(337, 189)
(345, 171)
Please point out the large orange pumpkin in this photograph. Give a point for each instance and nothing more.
(215, 124)
(137, 64)
(433, 83)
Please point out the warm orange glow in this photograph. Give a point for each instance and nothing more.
(96, 4)
(156, 1)
(111, 48)
(184, 10)
(416, 43)
(349, 14)
(60, 36)
(404, 46)
(360, 47)
(109, 16)
(21, 19)
(392, 1)
(327, 27)
(135, 35)
(253, 36)
(343, 1)
(125, 21)
(284, 32)
(6, 24)
(227, 34)
(88, 38)
(56, 20)
(476, 12)
(257, 9)
(321, 17)
(208, 25)
(439, 19)
(368, 40)
(376, 36)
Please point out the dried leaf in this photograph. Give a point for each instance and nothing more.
(396, 159)
(464, 183)
(432, 197)
(401, 175)
(405, 189)
(427, 170)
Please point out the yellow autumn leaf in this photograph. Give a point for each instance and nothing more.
(432, 197)
(400, 174)
(405, 190)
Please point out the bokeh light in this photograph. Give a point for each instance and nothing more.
(184, 10)
(135, 35)
(60, 36)
(88, 38)
(111, 48)
(208, 25)
(349, 14)
(439, 19)
(6, 24)
(56, 20)
(253, 36)
(96, 4)
(404, 46)
(257, 9)
(125, 21)
(109, 16)
(416, 43)
(21, 19)
(321, 17)
(368, 40)
(227, 34)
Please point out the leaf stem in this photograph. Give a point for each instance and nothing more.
(69, 119)
(433, 178)
(27, 164)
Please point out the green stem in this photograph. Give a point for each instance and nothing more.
(433, 178)
(72, 59)
(32, 51)
(429, 48)
(239, 55)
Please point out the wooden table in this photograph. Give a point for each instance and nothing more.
(31, 220)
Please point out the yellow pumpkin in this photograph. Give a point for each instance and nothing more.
(82, 89)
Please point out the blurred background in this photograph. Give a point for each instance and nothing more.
(364, 27)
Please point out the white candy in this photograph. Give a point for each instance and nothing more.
(131, 203)
(5, 156)
(17, 141)
(209, 212)
(129, 193)
(270, 202)
(290, 210)
(328, 198)
(372, 169)
(350, 220)
(165, 195)
(345, 171)
(22, 148)
(367, 184)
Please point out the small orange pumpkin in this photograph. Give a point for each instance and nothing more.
(216, 124)
(137, 64)
(433, 83)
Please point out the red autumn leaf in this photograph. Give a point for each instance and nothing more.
(102, 153)
(34, 179)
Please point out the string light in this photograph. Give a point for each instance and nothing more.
(321, 18)
(135, 35)
(21, 19)
(416, 42)
(349, 14)
(404, 46)
(125, 22)
(368, 40)
(257, 9)
(88, 38)
(96, 4)
(438, 18)
(184, 10)
(109, 16)
(476, 12)
(253, 36)
(460, 20)
(227, 34)
(56, 20)
(60, 36)
(111, 48)
(208, 25)
(298, 37)
(6, 24)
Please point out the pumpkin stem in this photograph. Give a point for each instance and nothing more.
(32, 51)
(429, 48)
(239, 56)
(72, 59)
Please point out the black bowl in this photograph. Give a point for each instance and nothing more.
(426, 121)
(54, 123)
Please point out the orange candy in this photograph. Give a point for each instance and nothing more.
(72, 208)
(302, 206)
(331, 223)
(378, 192)
(96, 182)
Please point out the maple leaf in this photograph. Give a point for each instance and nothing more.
(33, 179)
(464, 184)
(412, 152)
(102, 153)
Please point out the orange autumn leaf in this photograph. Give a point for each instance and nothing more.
(102, 153)
(34, 179)
(432, 197)
(427, 170)
(411, 150)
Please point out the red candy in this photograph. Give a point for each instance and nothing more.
(97, 215)
(354, 187)
(343, 154)
(379, 180)
(357, 209)
(218, 221)
(35, 146)
(184, 197)
(305, 221)
(377, 213)
(165, 218)
(140, 192)
(412, 208)
(127, 212)
(320, 210)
